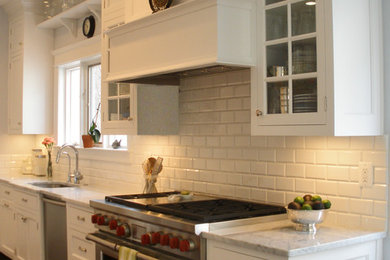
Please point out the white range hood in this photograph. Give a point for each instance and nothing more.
(194, 34)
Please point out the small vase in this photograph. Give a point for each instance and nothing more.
(49, 166)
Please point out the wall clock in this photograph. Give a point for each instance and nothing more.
(89, 26)
(157, 5)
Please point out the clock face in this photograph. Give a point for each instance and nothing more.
(89, 26)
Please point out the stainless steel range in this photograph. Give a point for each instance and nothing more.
(159, 226)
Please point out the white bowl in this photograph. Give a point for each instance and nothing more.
(306, 220)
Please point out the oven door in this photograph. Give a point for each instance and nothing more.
(107, 248)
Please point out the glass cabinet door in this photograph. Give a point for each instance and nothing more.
(290, 60)
(119, 102)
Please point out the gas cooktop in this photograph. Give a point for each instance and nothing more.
(201, 208)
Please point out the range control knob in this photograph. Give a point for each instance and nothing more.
(164, 240)
(123, 230)
(186, 245)
(113, 224)
(102, 220)
(94, 218)
(174, 242)
(156, 236)
(146, 239)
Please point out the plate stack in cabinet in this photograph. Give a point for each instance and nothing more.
(78, 226)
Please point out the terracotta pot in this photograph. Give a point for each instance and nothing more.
(87, 141)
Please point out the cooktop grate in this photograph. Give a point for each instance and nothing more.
(204, 211)
(218, 210)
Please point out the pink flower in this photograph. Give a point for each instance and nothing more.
(48, 142)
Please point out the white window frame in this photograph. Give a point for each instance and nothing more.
(84, 104)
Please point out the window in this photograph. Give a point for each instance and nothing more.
(79, 99)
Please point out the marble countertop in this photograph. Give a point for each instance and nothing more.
(281, 238)
(78, 194)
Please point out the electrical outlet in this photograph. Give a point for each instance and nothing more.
(365, 174)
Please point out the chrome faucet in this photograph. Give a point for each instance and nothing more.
(76, 176)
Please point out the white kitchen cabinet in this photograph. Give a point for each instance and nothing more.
(21, 234)
(78, 226)
(319, 68)
(118, 12)
(371, 250)
(140, 109)
(30, 76)
(15, 37)
(28, 237)
(7, 228)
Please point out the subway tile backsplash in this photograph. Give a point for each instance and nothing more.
(214, 153)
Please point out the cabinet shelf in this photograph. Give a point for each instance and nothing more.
(72, 14)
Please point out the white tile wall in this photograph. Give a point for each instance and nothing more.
(215, 153)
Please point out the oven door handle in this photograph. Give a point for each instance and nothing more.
(115, 246)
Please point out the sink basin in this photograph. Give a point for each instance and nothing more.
(53, 184)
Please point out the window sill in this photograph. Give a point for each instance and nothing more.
(101, 154)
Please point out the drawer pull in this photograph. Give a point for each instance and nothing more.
(6, 205)
(7, 192)
(24, 219)
(81, 218)
(82, 249)
(24, 200)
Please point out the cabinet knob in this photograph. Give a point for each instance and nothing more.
(259, 112)
(19, 123)
(80, 218)
(24, 200)
(82, 249)
(24, 219)
(7, 192)
(6, 205)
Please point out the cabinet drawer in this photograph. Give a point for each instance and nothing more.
(6, 192)
(25, 200)
(80, 218)
(79, 247)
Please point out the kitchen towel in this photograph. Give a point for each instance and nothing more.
(126, 253)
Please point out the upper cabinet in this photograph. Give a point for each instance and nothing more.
(118, 12)
(319, 68)
(29, 76)
(140, 109)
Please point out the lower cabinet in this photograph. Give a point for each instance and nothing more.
(21, 232)
(28, 237)
(371, 250)
(7, 229)
(78, 226)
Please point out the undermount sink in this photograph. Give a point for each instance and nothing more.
(53, 184)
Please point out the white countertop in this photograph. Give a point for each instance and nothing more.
(277, 237)
(80, 194)
(281, 238)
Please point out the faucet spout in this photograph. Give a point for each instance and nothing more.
(77, 176)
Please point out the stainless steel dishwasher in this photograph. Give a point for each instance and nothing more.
(55, 228)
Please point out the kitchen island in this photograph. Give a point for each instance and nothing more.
(279, 240)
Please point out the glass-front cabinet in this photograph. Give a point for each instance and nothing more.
(290, 89)
(119, 102)
(139, 109)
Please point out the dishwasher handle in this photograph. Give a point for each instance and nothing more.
(115, 246)
(55, 202)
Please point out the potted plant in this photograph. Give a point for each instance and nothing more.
(93, 135)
